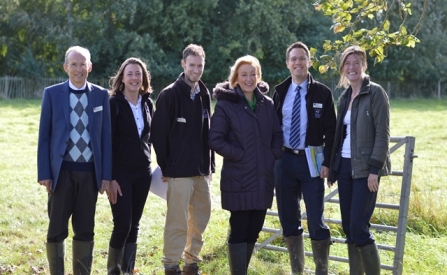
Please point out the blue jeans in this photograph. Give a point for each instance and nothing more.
(293, 182)
(357, 205)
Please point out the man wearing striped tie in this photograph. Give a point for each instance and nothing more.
(305, 108)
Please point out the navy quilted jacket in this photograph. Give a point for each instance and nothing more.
(250, 142)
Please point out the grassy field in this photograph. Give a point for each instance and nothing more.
(23, 215)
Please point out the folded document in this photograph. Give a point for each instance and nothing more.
(158, 187)
(315, 158)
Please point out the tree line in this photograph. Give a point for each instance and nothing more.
(34, 35)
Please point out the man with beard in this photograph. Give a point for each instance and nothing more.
(180, 138)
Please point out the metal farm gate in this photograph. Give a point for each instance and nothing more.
(398, 249)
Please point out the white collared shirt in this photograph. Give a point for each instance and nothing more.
(287, 114)
(138, 115)
(73, 87)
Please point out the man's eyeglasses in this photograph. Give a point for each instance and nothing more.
(300, 59)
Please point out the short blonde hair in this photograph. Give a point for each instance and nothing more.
(361, 56)
(247, 59)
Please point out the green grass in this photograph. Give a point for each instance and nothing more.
(23, 215)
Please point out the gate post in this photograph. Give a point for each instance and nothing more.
(404, 205)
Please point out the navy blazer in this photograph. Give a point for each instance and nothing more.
(54, 131)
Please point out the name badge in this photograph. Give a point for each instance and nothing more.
(181, 119)
(97, 109)
(318, 105)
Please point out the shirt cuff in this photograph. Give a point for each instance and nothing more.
(373, 170)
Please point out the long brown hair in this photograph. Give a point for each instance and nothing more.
(117, 85)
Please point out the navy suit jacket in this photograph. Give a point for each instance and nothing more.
(54, 131)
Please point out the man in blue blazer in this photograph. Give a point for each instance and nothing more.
(74, 159)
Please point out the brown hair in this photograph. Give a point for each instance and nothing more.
(297, 45)
(116, 81)
(193, 49)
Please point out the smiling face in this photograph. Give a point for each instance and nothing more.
(132, 78)
(77, 66)
(353, 68)
(193, 67)
(298, 64)
(247, 78)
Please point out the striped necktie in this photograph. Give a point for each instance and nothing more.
(295, 127)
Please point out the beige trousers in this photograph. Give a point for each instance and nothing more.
(188, 214)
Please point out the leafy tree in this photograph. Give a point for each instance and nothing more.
(418, 70)
(260, 28)
(353, 16)
(32, 38)
(34, 35)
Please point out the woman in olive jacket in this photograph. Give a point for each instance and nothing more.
(360, 156)
(245, 130)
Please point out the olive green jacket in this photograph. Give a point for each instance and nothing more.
(370, 132)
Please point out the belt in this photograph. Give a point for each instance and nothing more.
(294, 151)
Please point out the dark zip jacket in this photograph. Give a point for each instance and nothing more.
(250, 142)
(320, 112)
(180, 129)
(128, 149)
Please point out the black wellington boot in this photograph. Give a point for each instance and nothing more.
(128, 263)
(250, 248)
(237, 254)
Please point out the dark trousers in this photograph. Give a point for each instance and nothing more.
(356, 205)
(75, 195)
(127, 211)
(245, 226)
(293, 182)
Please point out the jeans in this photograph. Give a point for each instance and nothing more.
(357, 205)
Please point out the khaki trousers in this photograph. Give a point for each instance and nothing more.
(188, 214)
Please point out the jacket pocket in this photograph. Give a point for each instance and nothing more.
(231, 177)
(366, 154)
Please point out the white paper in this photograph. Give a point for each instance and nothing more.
(158, 187)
